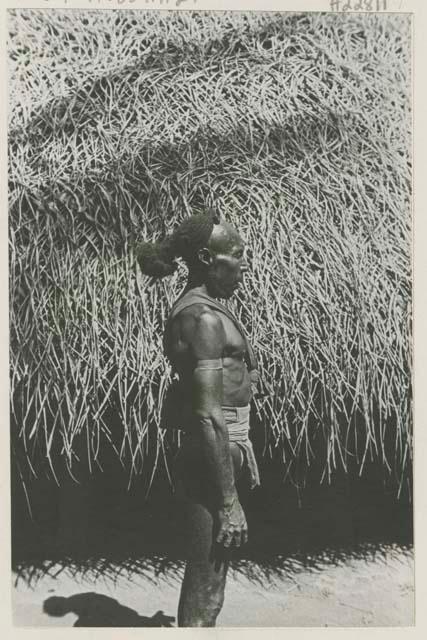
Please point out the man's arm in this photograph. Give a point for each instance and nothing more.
(206, 340)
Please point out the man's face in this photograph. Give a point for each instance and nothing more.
(228, 263)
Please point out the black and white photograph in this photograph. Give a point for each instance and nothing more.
(210, 272)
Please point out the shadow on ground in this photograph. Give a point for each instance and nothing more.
(97, 610)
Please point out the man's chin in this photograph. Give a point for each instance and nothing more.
(230, 293)
(226, 293)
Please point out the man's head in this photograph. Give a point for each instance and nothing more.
(223, 260)
(212, 249)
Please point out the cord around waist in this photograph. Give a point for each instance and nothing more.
(239, 414)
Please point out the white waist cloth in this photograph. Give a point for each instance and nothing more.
(237, 421)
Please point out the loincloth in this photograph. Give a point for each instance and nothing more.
(237, 421)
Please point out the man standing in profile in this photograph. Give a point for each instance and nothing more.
(217, 374)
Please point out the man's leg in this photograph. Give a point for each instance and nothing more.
(202, 591)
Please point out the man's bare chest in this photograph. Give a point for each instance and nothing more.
(235, 346)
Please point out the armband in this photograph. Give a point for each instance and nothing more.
(209, 365)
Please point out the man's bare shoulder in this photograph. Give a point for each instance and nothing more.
(198, 317)
(201, 328)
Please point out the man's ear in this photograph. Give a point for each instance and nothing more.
(204, 256)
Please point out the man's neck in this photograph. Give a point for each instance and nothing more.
(197, 284)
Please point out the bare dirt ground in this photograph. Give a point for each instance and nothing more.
(375, 591)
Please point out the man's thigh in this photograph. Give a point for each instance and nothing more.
(199, 503)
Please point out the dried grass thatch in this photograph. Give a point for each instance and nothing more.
(297, 128)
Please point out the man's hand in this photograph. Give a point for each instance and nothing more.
(233, 528)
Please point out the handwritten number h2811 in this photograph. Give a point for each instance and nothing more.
(360, 5)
